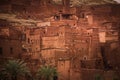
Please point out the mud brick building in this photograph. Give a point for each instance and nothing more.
(82, 42)
(10, 41)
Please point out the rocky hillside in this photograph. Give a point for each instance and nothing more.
(87, 2)
(29, 12)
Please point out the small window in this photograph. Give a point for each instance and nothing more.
(31, 41)
(28, 40)
(44, 32)
(86, 41)
(82, 15)
(24, 37)
(11, 50)
(1, 51)
(84, 58)
(49, 2)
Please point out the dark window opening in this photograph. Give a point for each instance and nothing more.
(56, 17)
(28, 40)
(1, 51)
(82, 64)
(24, 37)
(49, 2)
(98, 63)
(55, 77)
(60, 11)
(11, 50)
(106, 66)
(66, 16)
(82, 15)
(84, 58)
(44, 32)
(28, 16)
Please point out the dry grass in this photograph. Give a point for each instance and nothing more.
(12, 18)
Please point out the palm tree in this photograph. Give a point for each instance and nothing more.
(47, 73)
(98, 77)
(3, 75)
(15, 68)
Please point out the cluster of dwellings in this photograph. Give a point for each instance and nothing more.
(81, 42)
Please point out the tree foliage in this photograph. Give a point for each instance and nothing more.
(47, 73)
(15, 68)
(98, 77)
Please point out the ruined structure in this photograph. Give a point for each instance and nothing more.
(10, 41)
(81, 42)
